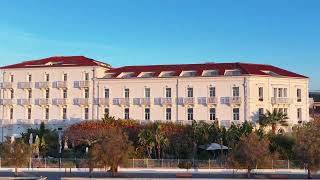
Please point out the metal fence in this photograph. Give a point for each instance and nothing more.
(153, 163)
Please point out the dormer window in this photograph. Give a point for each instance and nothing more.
(108, 75)
(188, 73)
(232, 72)
(209, 73)
(53, 63)
(271, 73)
(126, 75)
(167, 74)
(146, 74)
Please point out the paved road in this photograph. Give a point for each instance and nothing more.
(58, 175)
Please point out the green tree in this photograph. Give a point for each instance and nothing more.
(307, 145)
(16, 154)
(274, 119)
(160, 140)
(146, 141)
(250, 152)
(111, 150)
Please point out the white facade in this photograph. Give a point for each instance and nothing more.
(60, 96)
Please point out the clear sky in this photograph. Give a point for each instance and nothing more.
(285, 33)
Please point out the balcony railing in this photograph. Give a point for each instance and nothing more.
(6, 85)
(81, 101)
(81, 84)
(42, 102)
(24, 102)
(24, 85)
(6, 102)
(280, 100)
(235, 100)
(42, 85)
(212, 100)
(60, 101)
(142, 101)
(102, 101)
(121, 101)
(186, 101)
(60, 84)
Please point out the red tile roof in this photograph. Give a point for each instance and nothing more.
(58, 61)
(245, 68)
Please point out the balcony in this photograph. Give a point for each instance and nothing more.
(24, 85)
(186, 101)
(166, 101)
(280, 100)
(24, 102)
(81, 101)
(81, 84)
(6, 102)
(121, 101)
(234, 100)
(60, 84)
(60, 102)
(212, 100)
(6, 85)
(142, 101)
(42, 85)
(42, 102)
(6, 122)
(102, 101)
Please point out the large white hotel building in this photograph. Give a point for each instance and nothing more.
(64, 90)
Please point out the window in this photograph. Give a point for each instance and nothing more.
(168, 113)
(236, 115)
(285, 111)
(64, 113)
(285, 92)
(11, 113)
(235, 92)
(29, 77)
(147, 92)
(86, 76)
(299, 95)
(106, 93)
(299, 114)
(212, 91)
(47, 93)
(11, 78)
(190, 113)
(260, 112)
(11, 93)
(86, 93)
(168, 92)
(65, 93)
(46, 113)
(29, 93)
(106, 111)
(280, 92)
(86, 113)
(65, 77)
(147, 113)
(29, 113)
(126, 113)
(260, 93)
(47, 77)
(126, 93)
(275, 92)
(212, 113)
(190, 92)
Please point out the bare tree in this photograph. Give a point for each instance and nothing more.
(307, 145)
(250, 152)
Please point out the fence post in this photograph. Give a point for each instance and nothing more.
(288, 164)
(162, 163)
(45, 162)
(30, 161)
(132, 162)
(147, 163)
(209, 163)
(59, 162)
(272, 164)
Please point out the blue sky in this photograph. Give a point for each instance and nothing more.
(284, 33)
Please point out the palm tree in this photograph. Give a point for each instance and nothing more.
(273, 119)
(146, 140)
(159, 138)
